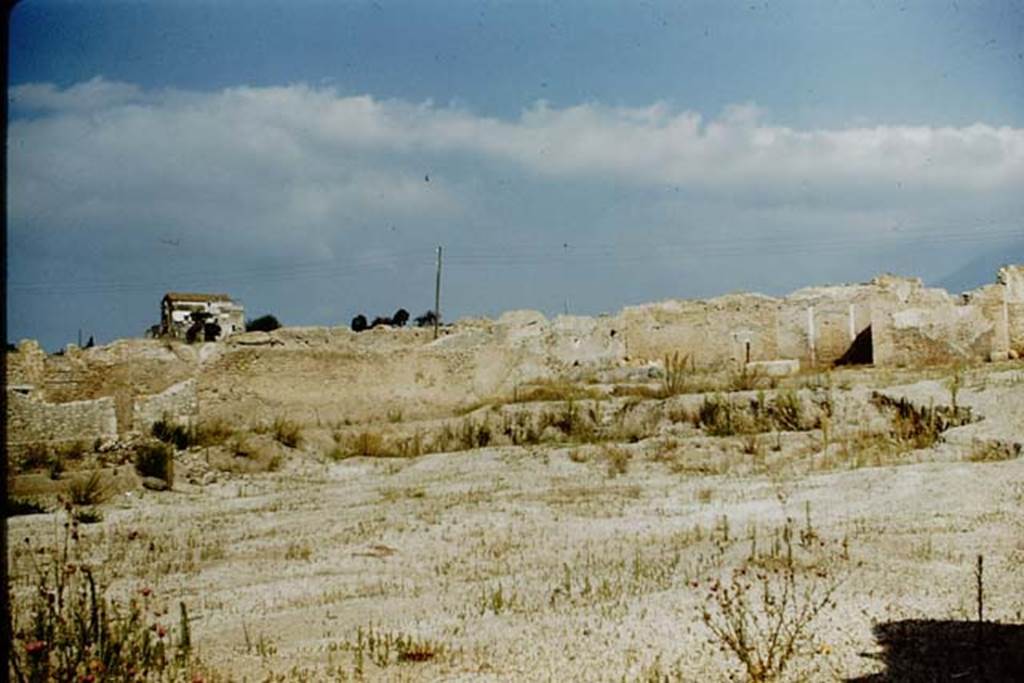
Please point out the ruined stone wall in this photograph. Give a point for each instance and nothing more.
(332, 375)
(939, 334)
(714, 333)
(178, 404)
(818, 326)
(30, 420)
(1012, 279)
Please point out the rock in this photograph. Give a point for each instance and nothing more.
(1014, 355)
(774, 368)
(998, 356)
(154, 484)
(208, 478)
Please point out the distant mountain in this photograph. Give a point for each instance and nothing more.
(982, 269)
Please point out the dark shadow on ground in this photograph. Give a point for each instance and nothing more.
(925, 650)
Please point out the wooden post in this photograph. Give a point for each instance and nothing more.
(437, 293)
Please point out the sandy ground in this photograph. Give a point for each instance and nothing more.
(552, 562)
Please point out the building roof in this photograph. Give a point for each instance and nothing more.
(195, 296)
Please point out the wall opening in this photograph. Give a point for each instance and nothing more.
(861, 351)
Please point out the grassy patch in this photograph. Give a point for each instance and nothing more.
(87, 491)
(286, 432)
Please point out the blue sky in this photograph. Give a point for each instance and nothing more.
(597, 153)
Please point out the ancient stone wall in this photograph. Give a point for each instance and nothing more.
(714, 333)
(1012, 279)
(31, 420)
(327, 375)
(178, 404)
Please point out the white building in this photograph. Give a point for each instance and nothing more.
(200, 317)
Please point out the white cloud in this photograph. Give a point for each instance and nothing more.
(305, 153)
(286, 174)
(95, 93)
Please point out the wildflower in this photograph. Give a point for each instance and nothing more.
(146, 591)
(160, 631)
(35, 647)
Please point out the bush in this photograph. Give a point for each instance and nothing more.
(764, 612)
(67, 629)
(155, 459)
(85, 491)
(786, 411)
(286, 432)
(368, 443)
(35, 457)
(674, 380)
(21, 506)
(426, 320)
(719, 416)
(179, 435)
(359, 323)
(212, 433)
(618, 460)
(264, 323)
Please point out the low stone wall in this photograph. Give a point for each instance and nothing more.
(30, 420)
(179, 403)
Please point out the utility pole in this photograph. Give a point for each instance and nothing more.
(437, 293)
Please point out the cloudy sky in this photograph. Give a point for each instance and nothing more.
(308, 157)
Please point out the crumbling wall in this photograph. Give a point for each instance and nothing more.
(31, 420)
(1012, 280)
(918, 335)
(817, 326)
(332, 375)
(713, 333)
(178, 404)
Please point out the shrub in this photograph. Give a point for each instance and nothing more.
(286, 432)
(179, 435)
(719, 416)
(370, 444)
(746, 379)
(74, 450)
(764, 612)
(67, 629)
(21, 506)
(264, 323)
(993, 451)
(56, 466)
(155, 459)
(426, 320)
(400, 318)
(673, 381)
(212, 433)
(618, 460)
(88, 515)
(86, 491)
(786, 411)
(35, 457)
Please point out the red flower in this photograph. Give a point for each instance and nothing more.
(146, 592)
(160, 631)
(35, 646)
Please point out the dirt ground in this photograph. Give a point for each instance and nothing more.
(589, 553)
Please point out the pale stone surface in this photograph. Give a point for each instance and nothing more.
(775, 368)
